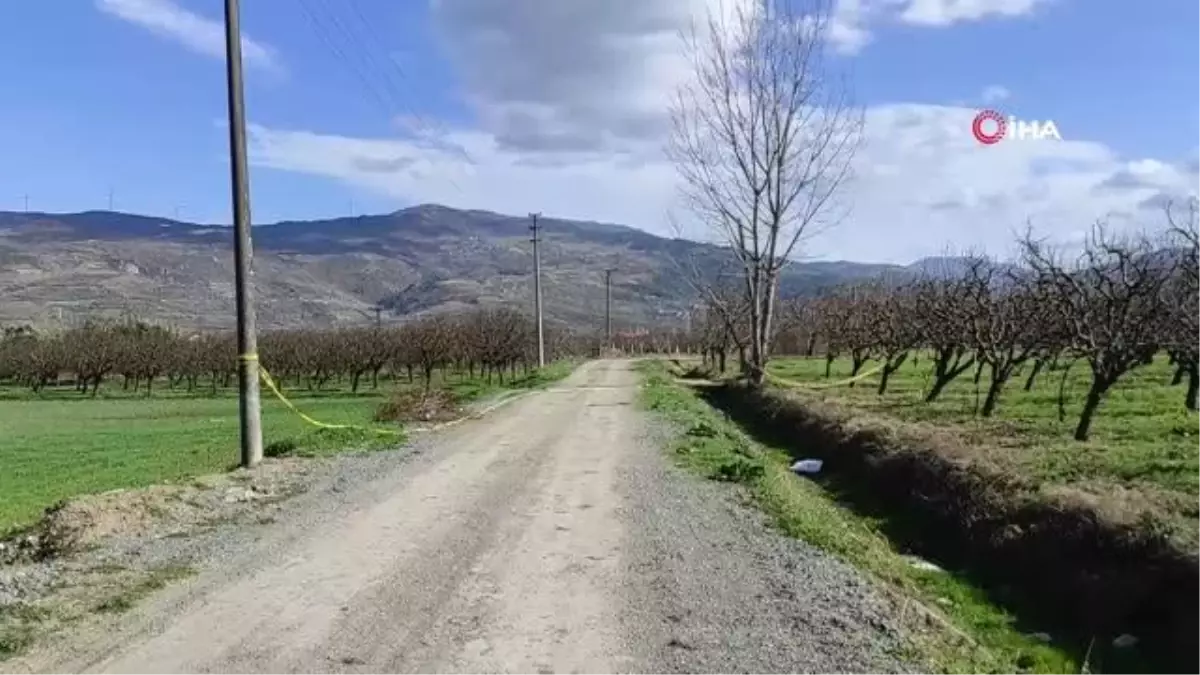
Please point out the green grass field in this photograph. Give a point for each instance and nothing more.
(1143, 446)
(59, 444)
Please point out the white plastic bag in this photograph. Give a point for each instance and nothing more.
(807, 466)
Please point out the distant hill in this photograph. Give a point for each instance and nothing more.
(59, 268)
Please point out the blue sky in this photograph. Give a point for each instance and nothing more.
(128, 96)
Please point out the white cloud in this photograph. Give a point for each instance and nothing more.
(922, 182)
(571, 100)
(852, 21)
(948, 12)
(200, 34)
(995, 93)
(847, 30)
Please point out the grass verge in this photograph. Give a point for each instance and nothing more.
(954, 626)
(125, 599)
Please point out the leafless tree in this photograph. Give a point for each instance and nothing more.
(891, 327)
(1182, 299)
(942, 313)
(1004, 309)
(846, 324)
(762, 140)
(1110, 299)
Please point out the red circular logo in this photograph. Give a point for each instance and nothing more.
(982, 134)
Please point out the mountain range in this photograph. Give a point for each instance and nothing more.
(59, 269)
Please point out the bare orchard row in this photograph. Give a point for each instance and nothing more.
(487, 342)
(1115, 306)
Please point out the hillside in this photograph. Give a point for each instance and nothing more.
(60, 268)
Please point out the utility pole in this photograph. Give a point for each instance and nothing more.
(26, 202)
(608, 306)
(249, 413)
(537, 288)
(378, 316)
(110, 199)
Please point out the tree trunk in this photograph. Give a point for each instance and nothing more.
(1193, 384)
(721, 360)
(1094, 397)
(1062, 392)
(828, 364)
(856, 364)
(1179, 373)
(944, 371)
(891, 365)
(354, 382)
(811, 345)
(999, 377)
(760, 352)
(1037, 368)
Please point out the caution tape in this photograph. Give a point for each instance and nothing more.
(270, 382)
(825, 385)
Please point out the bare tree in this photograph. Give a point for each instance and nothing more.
(892, 328)
(1110, 300)
(762, 142)
(1181, 300)
(943, 315)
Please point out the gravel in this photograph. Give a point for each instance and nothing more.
(713, 588)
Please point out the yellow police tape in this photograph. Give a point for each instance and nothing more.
(270, 382)
(824, 385)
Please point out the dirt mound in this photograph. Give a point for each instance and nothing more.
(416, 406)
(79, 523)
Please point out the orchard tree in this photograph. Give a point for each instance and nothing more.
(1110, 299)
(762, 139)
(1181, 300)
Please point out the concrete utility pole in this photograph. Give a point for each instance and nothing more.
(608, 305)
(537, 288)
(249, 413)
(26, 202)
(110, 199)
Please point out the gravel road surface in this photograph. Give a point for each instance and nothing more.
(552, 535)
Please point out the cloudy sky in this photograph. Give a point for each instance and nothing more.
(559, 106)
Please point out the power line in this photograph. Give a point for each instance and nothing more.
(396, 68)
(340, 54)
(332, 28)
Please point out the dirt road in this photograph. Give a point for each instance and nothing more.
(551, 535)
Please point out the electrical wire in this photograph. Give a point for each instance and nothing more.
(387, 88)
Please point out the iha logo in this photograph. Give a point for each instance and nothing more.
(990, 127)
